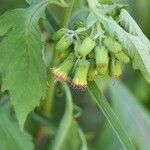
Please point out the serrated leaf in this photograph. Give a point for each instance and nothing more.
(21, 60)
(69, 135)
(11, 136)
(132, 38)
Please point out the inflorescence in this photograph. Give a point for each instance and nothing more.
(86, 56)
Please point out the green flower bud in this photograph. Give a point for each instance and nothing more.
(80, 78)
(122, 57)
(58, 35)
(112, 45)
(63, 44)
(65, 54)
(102, 71)
(62, 71)
(102, 59)
(86, 47)
(92, 73)
(115, 68)
(118, 69)
(91, 55)
(106, 1)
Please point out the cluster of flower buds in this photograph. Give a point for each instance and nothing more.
(85, 59)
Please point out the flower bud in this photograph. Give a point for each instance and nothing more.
(58, 34)
(115, 68)
(86, 47)
(63, 44)
(118, 69)
(80, 78)
(122, 57)
(101, 71)
(92, 73)
(112, 45)
(61, 72)
(101, 54)
(106, 1)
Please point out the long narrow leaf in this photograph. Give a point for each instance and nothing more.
(69, 135)
(110, 115)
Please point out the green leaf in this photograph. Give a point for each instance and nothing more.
(69, 135)
(132, 114)
(79, 16)
(10, 135)
(107, 140)
(134, 117)
(79, 4)
(21, 60)
(110, 115)
(134, 41)
(32, 1)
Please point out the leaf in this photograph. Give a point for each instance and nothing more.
(91, 20)
(110, 115)
(79, 16)
(132, 38)
(10, 135)
(32, 1)
(134, 117)
(79, 4)
(107, 140)
(21, 60)
(69, 135)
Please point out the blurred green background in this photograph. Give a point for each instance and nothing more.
(136, 84)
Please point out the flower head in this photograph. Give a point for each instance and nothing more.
(80, 78)
(62, 71)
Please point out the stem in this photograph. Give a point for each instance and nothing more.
(110, 116)
(51, 87)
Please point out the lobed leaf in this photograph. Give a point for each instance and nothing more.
(21, 60)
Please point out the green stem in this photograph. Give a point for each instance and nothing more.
(110, 115)
(48, 102)
(51, 84)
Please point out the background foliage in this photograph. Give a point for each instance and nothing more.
(132, 109)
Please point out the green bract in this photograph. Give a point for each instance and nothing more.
(57, 35)
(101, 54)
(112, 45)
(92, 73)
(86, 47)
(63, 44)
(122, 57)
